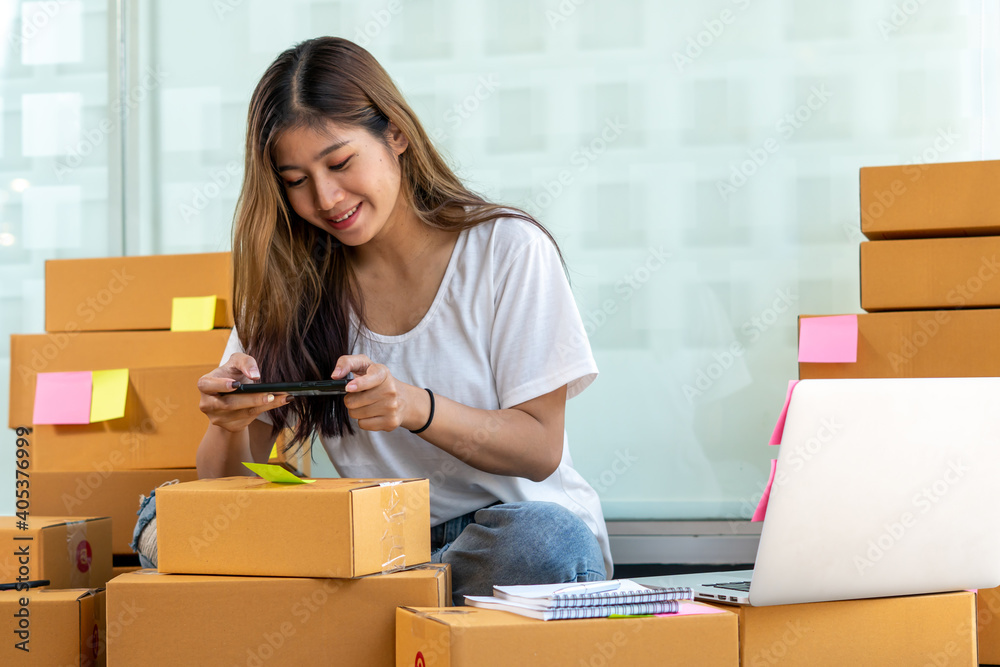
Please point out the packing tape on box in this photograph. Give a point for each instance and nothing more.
(80, 554)
(394, 516)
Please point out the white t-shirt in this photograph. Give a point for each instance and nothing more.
(503, 329)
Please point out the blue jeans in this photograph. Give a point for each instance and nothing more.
(516, 544)
(147, 512)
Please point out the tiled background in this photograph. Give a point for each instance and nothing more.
(619, 124)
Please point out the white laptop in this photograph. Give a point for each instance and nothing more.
(883, 487)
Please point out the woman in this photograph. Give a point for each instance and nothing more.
(357, 251)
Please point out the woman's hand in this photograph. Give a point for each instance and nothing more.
(378, 401)
(234, 412)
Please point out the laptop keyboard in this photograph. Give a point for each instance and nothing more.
(732, 586)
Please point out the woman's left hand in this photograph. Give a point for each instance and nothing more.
(377, 400)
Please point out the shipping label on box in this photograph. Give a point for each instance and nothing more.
(328, 528)
(266, 620)
(919, 344)
(102, 492)
(47, 627)
(473, 637)
(133, 293)
(162, 428)
(69, 552)
(935, 629)
(930, 200)
(75, 351)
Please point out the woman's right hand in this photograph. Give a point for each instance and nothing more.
(234, 412)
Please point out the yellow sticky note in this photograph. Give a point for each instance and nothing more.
(274, 452)
(108, 397)
(276, 474)
(193, 313)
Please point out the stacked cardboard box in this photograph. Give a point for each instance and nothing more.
(936, 629)
(115, 313)
(927, 282)
(53, 627)
(68, 552)
(473, 637)
(308, 573)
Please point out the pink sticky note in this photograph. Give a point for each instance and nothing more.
(779, 427)
(829, 340)
(761, 510)
(62, 398)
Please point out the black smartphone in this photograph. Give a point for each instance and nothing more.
(315, 388)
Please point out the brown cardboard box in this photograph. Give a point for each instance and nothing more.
(132, 293)
(71, 552)
(47, 353)
(162, 428)
(919, 274)
(920, 343)
(329, 528)
(101, 493)
(938, 629)
(988, 619)
(186, 620)
(47, 627)
(473, 637)
(922, 200)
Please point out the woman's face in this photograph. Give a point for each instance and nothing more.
(342, 179)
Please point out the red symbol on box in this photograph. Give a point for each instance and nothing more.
(83, 556)
(420, 660)
(97, 641)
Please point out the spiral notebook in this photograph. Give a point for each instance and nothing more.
(586, 600)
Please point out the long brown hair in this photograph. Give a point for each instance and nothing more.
(295, 289)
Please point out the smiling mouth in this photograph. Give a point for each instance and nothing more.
(345, 216)
(346, 220)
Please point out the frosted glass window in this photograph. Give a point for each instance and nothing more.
(191, 118)
(697, 163)
(271, 29)
(52, 32)
(53, 216)
(50, 123)
(9, 27)
(638, 137)
(33, 299)
(59, 139)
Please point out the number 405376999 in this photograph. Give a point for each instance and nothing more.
(21, 474)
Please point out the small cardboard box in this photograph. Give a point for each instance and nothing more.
(329, 528)
(162, 428)
(925, 200)
(988, 622)
(132, 293)
(75, 351)
(71, 552)
(920, 344)
(264, 620)
(920, 274)
(101, 493)
(937, 629)
(47, 627)
(473, 637)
